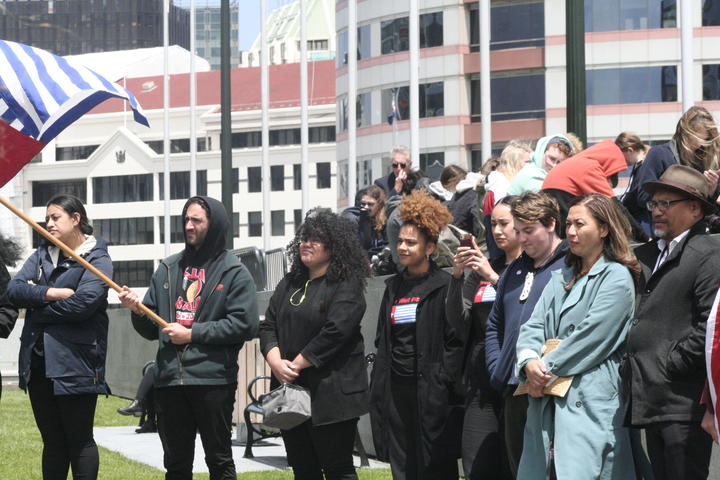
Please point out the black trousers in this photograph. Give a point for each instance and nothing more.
(483, 454)
(184, 410)
(405, 439)
(514, 418)
(314, 450)
(66, 427)
(678, 450)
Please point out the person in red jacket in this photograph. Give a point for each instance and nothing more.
(593, 170)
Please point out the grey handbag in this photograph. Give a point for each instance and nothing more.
(286, 406)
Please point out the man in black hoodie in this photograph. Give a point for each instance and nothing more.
(208, 297)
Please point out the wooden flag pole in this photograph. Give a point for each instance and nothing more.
(70, 253)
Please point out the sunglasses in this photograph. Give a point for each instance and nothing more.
(401, 165)
(367, 204)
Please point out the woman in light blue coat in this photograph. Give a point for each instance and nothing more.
(588, 306)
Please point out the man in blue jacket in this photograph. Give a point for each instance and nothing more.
(208, 297)
(536, 219)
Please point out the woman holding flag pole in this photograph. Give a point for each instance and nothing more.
(64, 340)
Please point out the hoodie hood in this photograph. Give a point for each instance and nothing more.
(214, 243)
(532, 175)
(470, 181)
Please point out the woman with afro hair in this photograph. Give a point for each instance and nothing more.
(311, 337)
(415, 410)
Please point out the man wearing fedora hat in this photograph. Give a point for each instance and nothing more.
(664, 372)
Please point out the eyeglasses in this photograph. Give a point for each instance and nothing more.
(398, 164)
(662, 205)
(367, 204)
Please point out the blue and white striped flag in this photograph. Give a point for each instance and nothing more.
(42, 94)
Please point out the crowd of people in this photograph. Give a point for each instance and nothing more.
(541, 351)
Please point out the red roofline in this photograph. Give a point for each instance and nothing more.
(284, 83)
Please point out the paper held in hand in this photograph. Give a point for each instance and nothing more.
(557, 386)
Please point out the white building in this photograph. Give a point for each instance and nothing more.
(116, 166)
(633, 70)
(283, 34)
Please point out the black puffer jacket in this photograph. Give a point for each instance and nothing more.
(439, 366)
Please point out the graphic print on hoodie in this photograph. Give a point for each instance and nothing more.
(190, 294)
(198, 264)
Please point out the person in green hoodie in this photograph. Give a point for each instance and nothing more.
(208, 297)
(549, 151)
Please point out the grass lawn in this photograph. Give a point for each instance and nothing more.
(21, 446)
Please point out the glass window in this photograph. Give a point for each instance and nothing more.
(285, 136)
(180, 184)
(432, 164)
(125, 231)
(631, 85)
(363, 42)
(42, 192)
(236, 180)
(432, 101)
(611, 15)
(246, 139)
(254, 224)
(235, 226)
(394, 35)
(323, 174)
(178, 145)
(297, 218)
(363, 45)
(123, 188)
(297, 176)
(277, 178)
(401, 98)
(342, 49)
(711, 82)
(513, 25)
(512, 98)
(321, 134)
(133, 273)
(177, 232)
(254, 179)
(342, 118)
(431, 29)
(74, 153)
(364, 109)
(277, 219)
(710, 13)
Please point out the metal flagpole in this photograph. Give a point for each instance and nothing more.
(485, 98)
(166, 121)
(193, 106)
(304, 164)
(686, 53)
(264, 106)
(352, 102)
(414, 84)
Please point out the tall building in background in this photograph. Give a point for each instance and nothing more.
(207, 30)
(632, 61)
(71, 27)
(283, 34)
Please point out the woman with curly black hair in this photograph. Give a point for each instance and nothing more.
(415, 409)
(311, 337)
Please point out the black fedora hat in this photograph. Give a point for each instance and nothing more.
(686, 181)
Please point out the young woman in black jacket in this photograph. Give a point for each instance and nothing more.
(414, 406)
(469, 301)
(64, 339)
(311, 337)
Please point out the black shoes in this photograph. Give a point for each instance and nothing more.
(135, 408)
(147, 427)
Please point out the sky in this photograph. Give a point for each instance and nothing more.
(249, 13)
